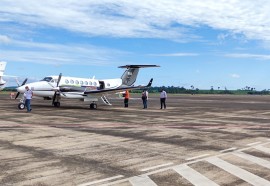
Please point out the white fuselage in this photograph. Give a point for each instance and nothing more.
(48, 86)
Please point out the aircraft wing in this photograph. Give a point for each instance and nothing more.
(114, 90)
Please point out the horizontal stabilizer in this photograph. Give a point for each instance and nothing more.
(130, 75)
(138, 66)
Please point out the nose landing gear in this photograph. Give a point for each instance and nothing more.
(21, 106)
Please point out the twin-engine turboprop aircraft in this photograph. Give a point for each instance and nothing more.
(56, 87)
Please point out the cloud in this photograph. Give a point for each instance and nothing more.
(244, 55)
(170, 19)
(4, 39)
(59, 54)
(175, 54)
(235, 76)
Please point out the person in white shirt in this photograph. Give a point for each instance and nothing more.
(144, 98)
(163, 96)
(28, 94)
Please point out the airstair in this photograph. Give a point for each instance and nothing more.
(105, 100)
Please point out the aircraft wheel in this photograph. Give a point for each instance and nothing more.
(93, 106)
(56, 104)
(21, 106)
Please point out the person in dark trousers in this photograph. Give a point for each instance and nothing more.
(126, 95)
(28, 94)
(163, 96)
(144, 98)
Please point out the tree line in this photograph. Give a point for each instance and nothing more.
(192, 90)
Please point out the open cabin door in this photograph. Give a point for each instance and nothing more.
(101, 85)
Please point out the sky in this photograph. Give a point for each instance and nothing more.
(224, 43)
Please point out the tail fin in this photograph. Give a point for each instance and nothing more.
(150, 83)
(130, 75)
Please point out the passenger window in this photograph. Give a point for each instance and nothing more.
(90, 83)
(71, 81)
(86, 83)
(77, 82)
(95, 84)
(66, 81)
(81, 82)
(108, 84)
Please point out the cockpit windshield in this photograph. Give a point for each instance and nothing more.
(48, 79)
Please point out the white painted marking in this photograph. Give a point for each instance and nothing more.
(193, 176)
(255, 143)
(196, 157)
(158, 166)
(253, 159)
(226, 150)
(263, 149)
(141, 181)
(115, 183)
(241, 173)
(100, 181)
(246, 148)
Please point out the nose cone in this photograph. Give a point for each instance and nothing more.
(21, 89)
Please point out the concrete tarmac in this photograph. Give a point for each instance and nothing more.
(197, 140)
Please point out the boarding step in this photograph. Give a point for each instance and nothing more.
(105, 100)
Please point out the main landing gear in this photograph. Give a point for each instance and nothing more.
(93, 106)
(56, 104)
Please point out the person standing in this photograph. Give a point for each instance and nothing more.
(28, 94)
(144, 98)
(163, 96)
(126, 95)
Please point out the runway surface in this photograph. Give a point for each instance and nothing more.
(197, 140)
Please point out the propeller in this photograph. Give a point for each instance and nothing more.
(18, 93)
(57, 88)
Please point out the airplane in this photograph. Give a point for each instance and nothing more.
(2, 70)
(85, 89)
